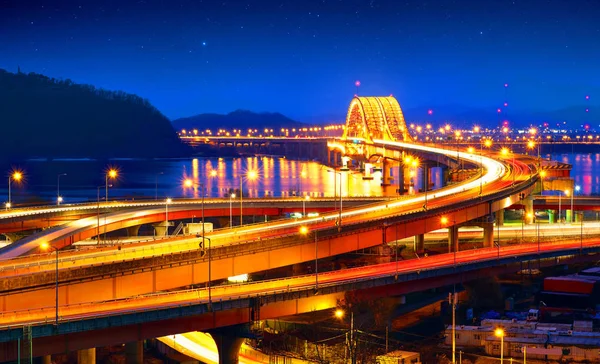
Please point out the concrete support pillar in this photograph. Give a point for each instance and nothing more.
(134, 352)
(500, 217)
(445, 175)
(419, 243)
(367, 173)
(551, 216)
(133, 230)
(488, 234)
(345, 161)
(453, 239)
(424, 178)
(228, 347)
(386, 173)
(401, 179)
(47, 359)
(160, 229)
(86, 356)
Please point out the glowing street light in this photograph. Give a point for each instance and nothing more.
(499, 332)
(46, 246)
(339, 314)
(16, 176)
(251, 176)
(112, 174)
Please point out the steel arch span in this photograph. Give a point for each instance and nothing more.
(376, 117)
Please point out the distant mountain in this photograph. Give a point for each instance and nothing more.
(466, 116)
(46, 117)
(239, 119)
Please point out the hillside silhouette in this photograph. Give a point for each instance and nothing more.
(239, 119)
(51, 118)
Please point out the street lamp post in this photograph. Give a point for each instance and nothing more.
(47, 246)
(452, 299)
(167, 202)
(231, 197)
(559, 206)
(339, 313)
(572, 194)
(112, 174)
(500, 333)
(58, 197)
(16, 176)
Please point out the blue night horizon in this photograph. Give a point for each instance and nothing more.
(302, 58)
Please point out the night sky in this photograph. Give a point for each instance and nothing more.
(302, 57)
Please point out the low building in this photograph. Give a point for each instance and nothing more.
(399, 357)
(537, 340)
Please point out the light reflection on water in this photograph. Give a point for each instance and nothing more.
(276, 177)
(585, 172)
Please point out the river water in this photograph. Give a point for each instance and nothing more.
(137, 179)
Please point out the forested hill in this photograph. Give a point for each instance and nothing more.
(46, 117)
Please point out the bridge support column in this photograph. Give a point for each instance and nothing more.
(500, 217)
(424, 178)
(160, 229)
(385, 173)
(134, 352)
(86, 356)
(419, 243)
(445, 175)
(228, 347)
(401, 179)
(453, 239)
(47, 359)
(367, 173)
(133, 230)
(345, 161)
(568, 216)
(551, 216)
(488, 234)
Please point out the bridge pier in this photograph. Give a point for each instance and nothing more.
(228, 348)
(367, 173)
(488, 234)
(134, 352)
(386, 173)
(445, 175)
(453, 239)
(133, 230)
(500, 217)
(424, 177)
(401, 179)
(419, 243)
(551, 216)
(86, 356)
(160, 229)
